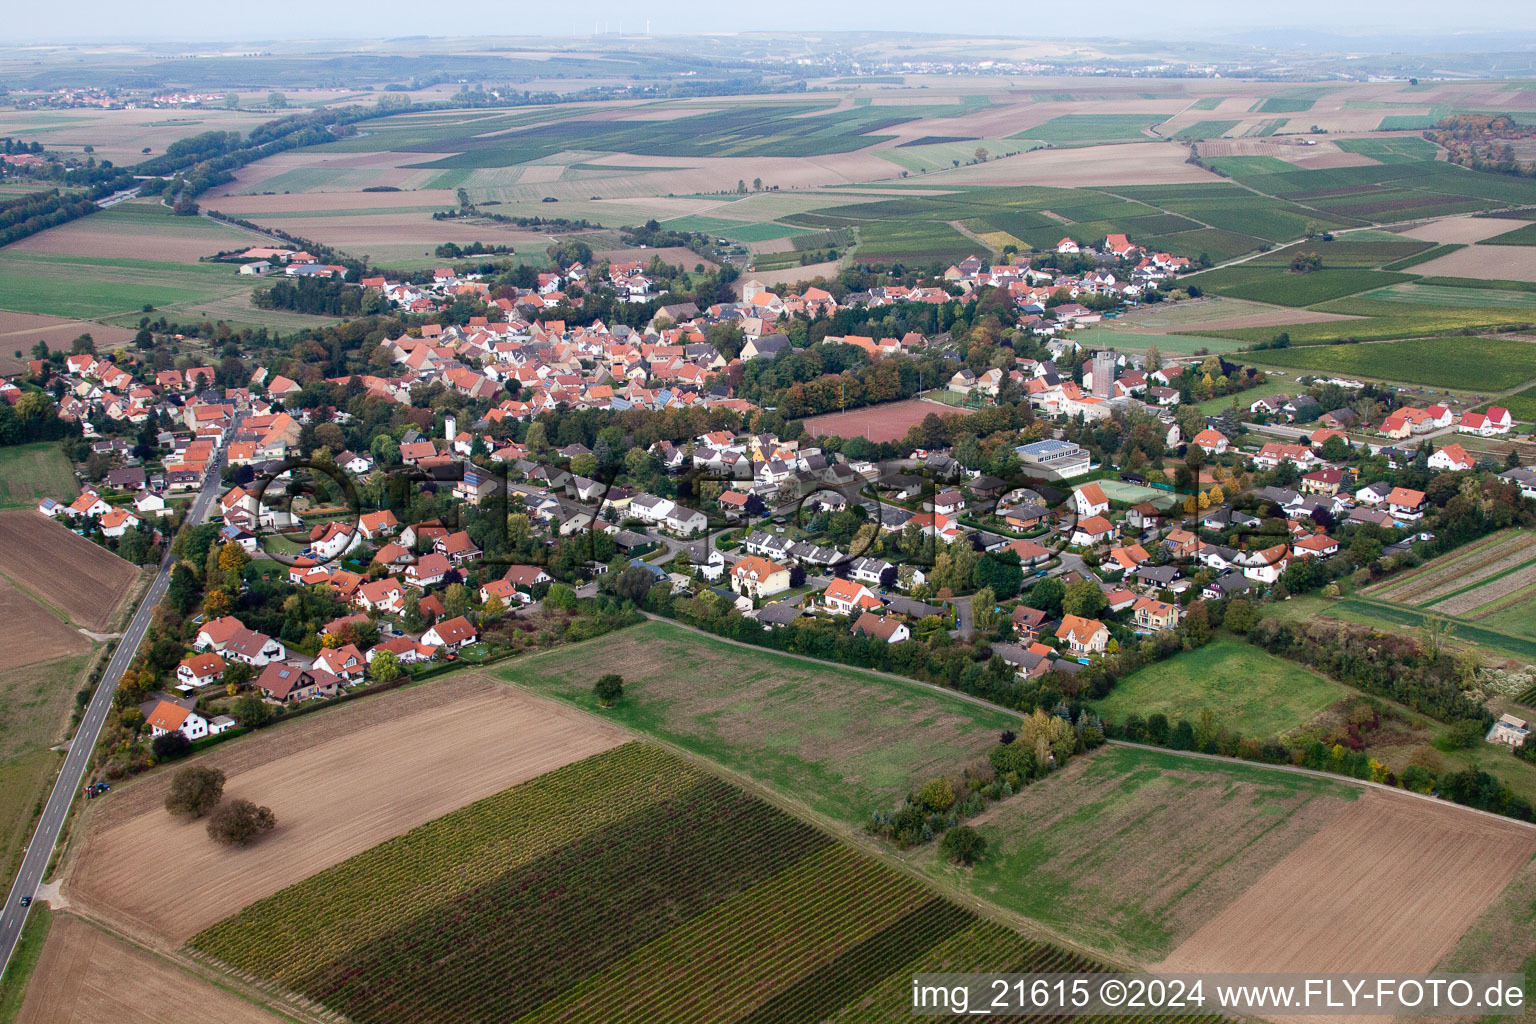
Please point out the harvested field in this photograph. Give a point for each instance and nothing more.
(23, 330)
(1486, 262)
(1131, 850)
(143, 230)
(790, 275)
(1463, 229)
(339, 783)
(86, 976)
(887, 422)
(1218, 314)
(30, 633)
(1135, 163)
(843, 740)
(1389, 887)
(250, 207)
(84, 581)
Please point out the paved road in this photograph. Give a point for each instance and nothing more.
(56, 812)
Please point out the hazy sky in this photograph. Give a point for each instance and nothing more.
(108, 20)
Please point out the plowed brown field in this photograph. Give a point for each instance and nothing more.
(339, 783)
(84, 581)
(1388, 887)
(31, 633)
(85, 976)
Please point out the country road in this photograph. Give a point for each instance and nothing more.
(71, 777)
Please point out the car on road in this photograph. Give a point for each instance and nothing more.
(26, 901)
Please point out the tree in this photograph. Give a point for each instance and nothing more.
(1000, 572)
(240, 822)
(1084, 598)
(963, 845)
(560, 596)
(757, 184)
(1047, 596)
(538, 437)
(937, 795)
(608, 689)
(195, 790)
(276, 100)
(796, 576)
(633, 583)
(168, 746)
(455, 600)
(384, 666)
(1240, 617)
(232, 100)
(232, 558)
(252, 712)
(216, 603)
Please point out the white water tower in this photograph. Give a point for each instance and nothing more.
(450, 427)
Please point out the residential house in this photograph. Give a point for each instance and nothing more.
(1089, 500)
(1316, 545)
(428, 570)
(200, 670)
(1093, 531)
(1083, 636)
(345, 662)
(281, 683)
(386, 596)
(844, 597)
(253, 648)
(167, 716)
(888, 628)
(1264, 566)
(753, 576)
(1405, 503)
(1027, 622)
(1152, 615)
(450, 634)
(1452, 457)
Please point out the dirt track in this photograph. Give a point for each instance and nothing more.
(84, 581)
(339, 784)
(86, 976)
(1388, 887)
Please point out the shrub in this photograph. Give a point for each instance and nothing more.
(195, 790)
(963, 845)
(168, 746)
(240, 822)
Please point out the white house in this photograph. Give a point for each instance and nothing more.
(200, 670)
(334, 540)
(1264, 566)
(1452, 457)
(450, 634)
(150, 503)
(1089, 500)
(167, 717)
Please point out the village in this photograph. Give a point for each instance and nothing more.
(1050, 550)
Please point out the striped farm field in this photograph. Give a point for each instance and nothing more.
(633, 886)
(1454, 574)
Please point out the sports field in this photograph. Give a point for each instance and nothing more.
(1249, 691)
(844, 741)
